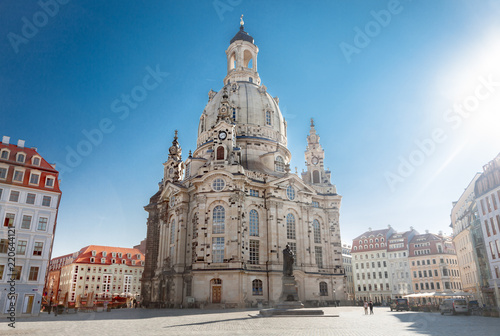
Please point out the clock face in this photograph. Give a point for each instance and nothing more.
(222, 135)
(315, 160)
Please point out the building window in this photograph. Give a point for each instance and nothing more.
(14, 196)
(37, 251)
(319, 256)
(254, 223)
(5, 155)
(49, 182)
(9, 220)
(18, 176)
(3, 172)
(254, 252)
(218, 184)
(30, 198)
(217, 249)
(290, 226)
(218, 222)
(290, 193)
(33, 273)
(36, 161)
(317, 232)
(20, 157)
(42, 223)
(323, 289)
(188, 170)
(4, 243)
(34, 179)
(257, 287)
(16, 274)
(26, 223)
(21, 247)
(46, 201)
(493, 226)
(279, 164)
(315, 204)
(268, 118)
(172, 232)
(253, 192)
(2, 267)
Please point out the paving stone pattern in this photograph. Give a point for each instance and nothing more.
(351, 322)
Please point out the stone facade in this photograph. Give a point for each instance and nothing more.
(221, 218)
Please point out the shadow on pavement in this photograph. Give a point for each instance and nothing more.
(128, 314)
(209, 322)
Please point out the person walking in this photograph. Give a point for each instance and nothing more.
(366, 307)
(371, 307)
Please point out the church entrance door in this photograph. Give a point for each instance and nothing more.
(216, 294)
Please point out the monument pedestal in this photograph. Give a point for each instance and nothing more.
(289, 303)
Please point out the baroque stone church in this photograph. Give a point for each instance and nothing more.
(221, 218)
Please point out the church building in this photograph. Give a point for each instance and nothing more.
(221, 218)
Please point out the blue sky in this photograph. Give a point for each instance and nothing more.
(375, 107)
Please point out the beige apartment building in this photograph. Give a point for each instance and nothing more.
(433, 264)
(95, 273)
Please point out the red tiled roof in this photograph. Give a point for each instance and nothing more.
(86, 253)
(45, 168)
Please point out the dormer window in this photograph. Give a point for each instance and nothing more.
(104, 254)
(124, 262)
(138, 256)
(279, 164)
(119, 254)
(268, 118)
(129, 255)
(113, 261)
(133, 262)
(49, 182)
(103, 260)
(92, 260)
(21, 157)
(35, 161)
(34, 178)
(113, 254)
(5, 154)
(94, 253)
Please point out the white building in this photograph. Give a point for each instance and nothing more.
(29, 201)
(371, 266)
(398, 251)
(487, 191)
(349, 280)
(220, 219)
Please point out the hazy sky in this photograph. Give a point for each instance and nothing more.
(406, 98)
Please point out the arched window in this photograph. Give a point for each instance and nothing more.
(316, 176)
(220, 153)
(279, 164)
(257, 287)
(317, 232)
(290, 226)
(219, 217)
(247, 59)
(323, 289)
(254, 223)
(268, 118)
(172, 231)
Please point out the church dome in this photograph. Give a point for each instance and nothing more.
(251, 108)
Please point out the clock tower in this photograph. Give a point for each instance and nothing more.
(315, 155)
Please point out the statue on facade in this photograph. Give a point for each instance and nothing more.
(288, 261)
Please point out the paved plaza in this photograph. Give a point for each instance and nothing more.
(351, 322)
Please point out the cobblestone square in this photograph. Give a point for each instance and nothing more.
(351, 322)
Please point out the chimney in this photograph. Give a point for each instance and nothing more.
(440, 233)
(5, 140)
(426, 231)
(20, 143)
(370, 229)
(411, 228)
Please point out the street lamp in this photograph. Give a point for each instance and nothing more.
(334, 298)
